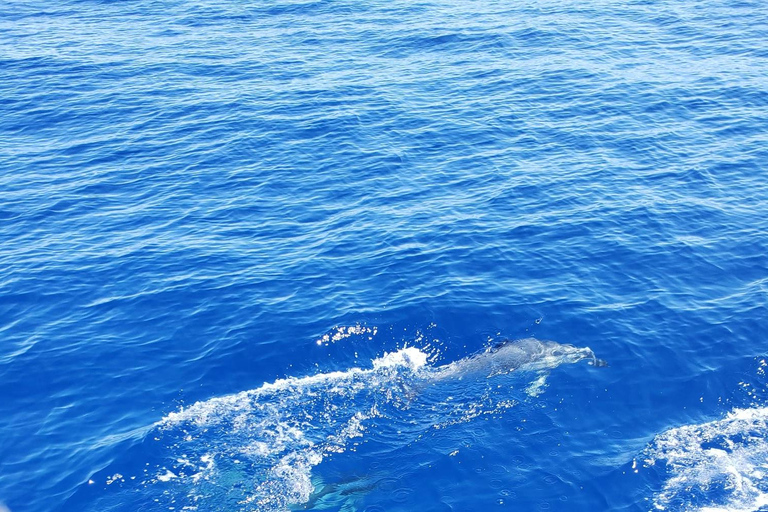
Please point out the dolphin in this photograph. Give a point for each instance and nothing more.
(509, 355)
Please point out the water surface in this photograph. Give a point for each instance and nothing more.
(200, 200)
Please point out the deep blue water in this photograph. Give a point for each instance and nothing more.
(245, 245)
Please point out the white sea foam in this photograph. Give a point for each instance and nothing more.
(715, 466)
(272, 436)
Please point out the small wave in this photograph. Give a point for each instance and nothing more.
(716, 466)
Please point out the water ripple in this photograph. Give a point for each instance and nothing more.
(192, 195)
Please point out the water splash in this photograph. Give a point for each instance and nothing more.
(267, 440)
(719, 465)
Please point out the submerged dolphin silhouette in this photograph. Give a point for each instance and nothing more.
(340, 496)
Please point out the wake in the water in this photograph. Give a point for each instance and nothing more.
(255, 450)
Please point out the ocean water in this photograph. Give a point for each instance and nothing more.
(264, 255)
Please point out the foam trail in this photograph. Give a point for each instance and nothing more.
(269, 439)
(255, 450)
(716, 466)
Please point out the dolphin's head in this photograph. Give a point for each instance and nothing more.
(567, 353)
